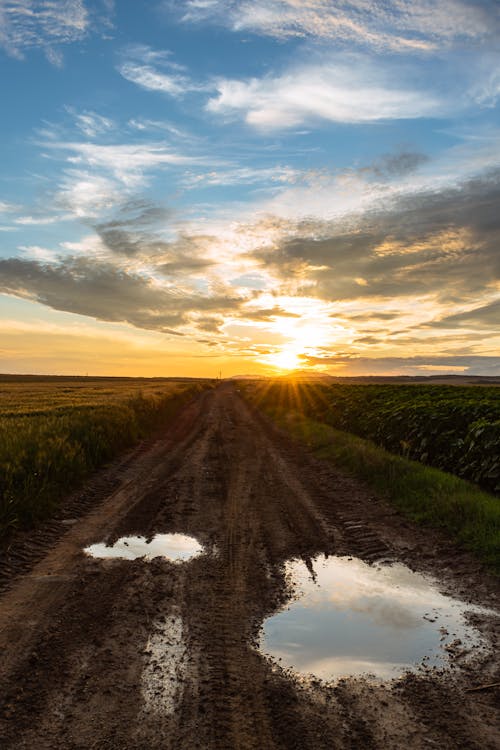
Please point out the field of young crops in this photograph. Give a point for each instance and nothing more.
(55, 431)
(453, 428)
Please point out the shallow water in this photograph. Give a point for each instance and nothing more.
(175, 547)
(166, 666)
(354, 619)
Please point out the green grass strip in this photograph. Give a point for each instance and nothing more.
(423, 494)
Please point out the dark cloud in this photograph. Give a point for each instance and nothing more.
(487, 316)
(444, 244)
(368, 340)
(398, 164)
(132, 233)
(107, 292)
(209, 324)
(421, 365)
(129, 231)
(207, 342)
(267, 314)
(368, 316)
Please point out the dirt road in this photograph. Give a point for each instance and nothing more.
(134, 654)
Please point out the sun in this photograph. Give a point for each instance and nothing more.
(302, 329)
(286, 359)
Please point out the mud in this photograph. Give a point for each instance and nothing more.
(136, 653)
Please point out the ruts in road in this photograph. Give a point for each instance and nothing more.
(115, 653)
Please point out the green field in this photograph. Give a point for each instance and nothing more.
(55, 431)
(453, 428)
(312, 413)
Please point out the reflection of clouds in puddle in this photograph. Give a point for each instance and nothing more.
(174, 547)
(355, 618)
(165, 672)
(325, 668)
(392, 614)
(392, 595)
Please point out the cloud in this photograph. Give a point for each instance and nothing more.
(354, 91)
(85, 194)
(397, 25)
(483, 317)
(41, 220)
(139, 69)
(143, 124)
(153, 80)
(442, 244)
(266, 315)
(241, 176)
(353, 365)
(107, 292)
(6, 208)
(126, 161)
(397, 164)
(28, 24)
(131, 234)
(101, 176)
(90, 123)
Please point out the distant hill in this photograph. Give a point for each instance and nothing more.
(444, 379)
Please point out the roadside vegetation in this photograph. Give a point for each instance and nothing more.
(423, 493)
(55, 431)
(453, 428)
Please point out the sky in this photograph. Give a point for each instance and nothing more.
(195, 187)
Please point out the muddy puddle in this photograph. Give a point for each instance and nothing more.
(174, 547)
(351, 618)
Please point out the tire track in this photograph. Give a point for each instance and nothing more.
(225, 475)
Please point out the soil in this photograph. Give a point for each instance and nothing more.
(132, 654)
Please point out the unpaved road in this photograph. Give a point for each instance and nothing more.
(133, 654)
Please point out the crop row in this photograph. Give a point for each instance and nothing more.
(456, 429)
(43, 456)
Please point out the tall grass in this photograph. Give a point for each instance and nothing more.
(44, 455)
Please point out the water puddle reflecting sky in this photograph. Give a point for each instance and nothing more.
(360, 619)
(174, 547)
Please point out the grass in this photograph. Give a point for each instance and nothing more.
(423, 494)
(55, 432)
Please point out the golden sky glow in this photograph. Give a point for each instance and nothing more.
(306, 186)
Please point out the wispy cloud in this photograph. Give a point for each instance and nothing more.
(154, 80)
(241, 176)
(91, 124)
(86, 194)
(353, 91)
(41, 220)
(143, 124)
(98, 176)
(6, 207)
(397, 25)
(142, 66)
(126, 161)
(45, 24)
